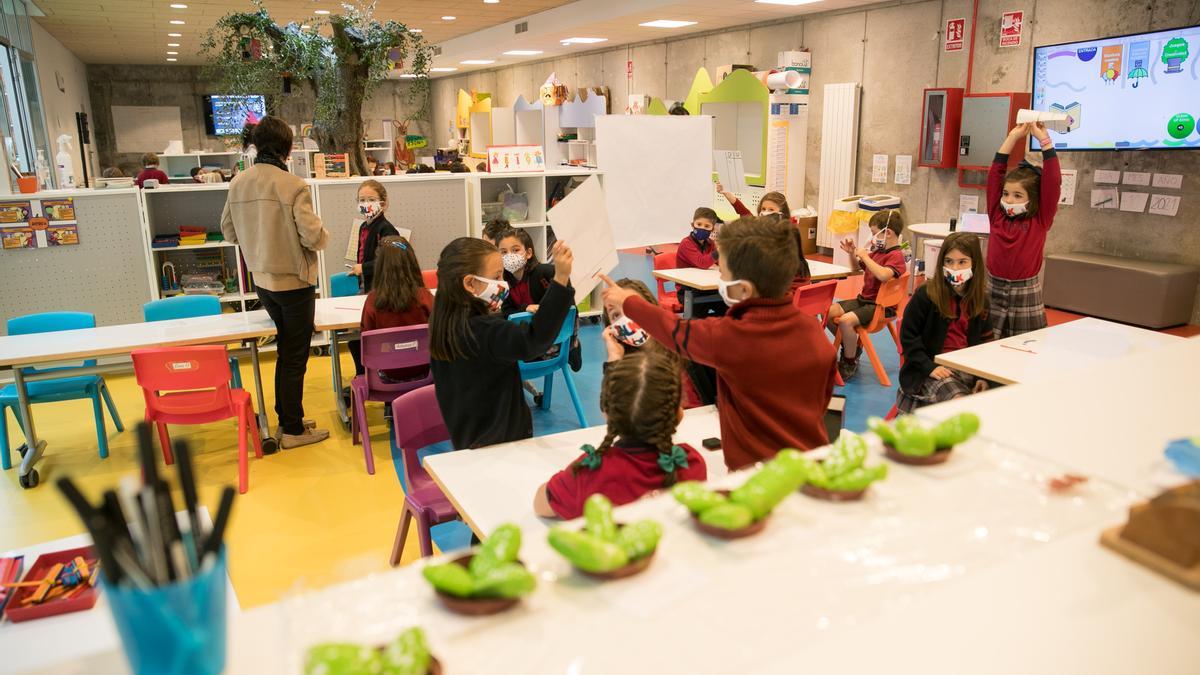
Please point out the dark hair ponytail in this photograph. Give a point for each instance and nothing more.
(450, 335)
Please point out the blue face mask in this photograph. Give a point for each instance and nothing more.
(701, 235)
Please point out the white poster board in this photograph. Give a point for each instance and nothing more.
(142, 128)
(731, 173)
(657, 170)
(581, 220)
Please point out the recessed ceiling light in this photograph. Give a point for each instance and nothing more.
(442, 70)
(322, 12)
(449, 18)
(477, 62)
(523, 52)
(178, 6)
(416, 30)
(667, 23)
(172, 44)
(583, 41)
(305, 27)
(176, 22)
(789, 3)
(172, 53)
(491, 2)
(172, 59)
(410, 76)
(174, 34)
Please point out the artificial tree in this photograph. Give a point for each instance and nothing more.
(249, 53)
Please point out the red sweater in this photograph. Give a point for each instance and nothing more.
(627, 472)
(154, 174)
(417, 314)
(775, 371)
(692, 254)
(1016, 245)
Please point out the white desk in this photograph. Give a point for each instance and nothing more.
(1069, 347)
(706, 280)
(1111, 421)
(472, 479)
(922, 231)
(340, 316)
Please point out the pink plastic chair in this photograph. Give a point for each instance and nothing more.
(190, 385)
(430, 278)
(383, 350)
(419, 424)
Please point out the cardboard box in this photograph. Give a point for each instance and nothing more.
(808, 234)
(796, 59)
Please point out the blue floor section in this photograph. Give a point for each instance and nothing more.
(864, 395)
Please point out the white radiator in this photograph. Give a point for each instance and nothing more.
(839, 152)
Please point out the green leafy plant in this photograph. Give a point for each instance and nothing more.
(340, 58)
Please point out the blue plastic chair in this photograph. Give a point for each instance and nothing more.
(343, 284)
(59, 389)
(531, 370)
(190, 307)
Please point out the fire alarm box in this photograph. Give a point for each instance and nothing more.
(941, 117)
(986, 121)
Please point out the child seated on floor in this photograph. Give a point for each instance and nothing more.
(640, 396)
(948, 312)
(775, 367)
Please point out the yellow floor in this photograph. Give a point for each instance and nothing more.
(312, 516)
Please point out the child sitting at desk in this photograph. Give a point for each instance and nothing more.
(399, 297)
(151, 172)
(699, 250)
(640, 396)
(527, 278)
(772, 202)
(775, 367)
(948, 312)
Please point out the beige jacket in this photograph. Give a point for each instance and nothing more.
(269, 214)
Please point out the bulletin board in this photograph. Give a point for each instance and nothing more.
(146, 128)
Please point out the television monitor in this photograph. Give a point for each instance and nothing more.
(1132, 92)
(225, 115)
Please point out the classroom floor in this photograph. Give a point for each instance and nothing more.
(313, 516)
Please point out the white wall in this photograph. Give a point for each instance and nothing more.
(61, 105)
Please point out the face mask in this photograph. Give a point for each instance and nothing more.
(701, 235)
(878, 242)
(513, 262)
(629, 332)
(493, 293)
(1015, 210)
(723, 289)
(369, 209)
(957, 277)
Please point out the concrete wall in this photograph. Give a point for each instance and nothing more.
(894, 50)
(53, 60)
(184, 87)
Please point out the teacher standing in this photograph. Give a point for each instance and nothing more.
(269, 214)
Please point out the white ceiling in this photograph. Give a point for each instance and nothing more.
(136, 31)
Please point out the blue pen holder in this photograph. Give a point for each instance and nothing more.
(173, 630)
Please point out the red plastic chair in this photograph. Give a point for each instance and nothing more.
(430, 277)
(666, 261)
(889, 298)
(190, 385)
(419, 424)
(386, 349)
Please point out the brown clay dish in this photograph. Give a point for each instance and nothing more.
(475, 606)
(628, 570)
(722, 533)
(939, 456)
(832, 495)
(435, 666)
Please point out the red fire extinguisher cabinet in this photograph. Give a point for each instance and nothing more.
(941, 120)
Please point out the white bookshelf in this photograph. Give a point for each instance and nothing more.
(179, 166)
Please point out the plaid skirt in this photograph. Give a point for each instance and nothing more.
(1016, 306)
(935, 391)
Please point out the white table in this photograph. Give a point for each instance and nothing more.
(495, 485)
(342, 317)
(922, 231)
(692, 278)
(1065, 348)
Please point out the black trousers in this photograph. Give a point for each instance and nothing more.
(355, 349)
(292, 312)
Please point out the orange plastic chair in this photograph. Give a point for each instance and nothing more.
(190, 385)
(430, 277)
(666, 261)
(889, 298)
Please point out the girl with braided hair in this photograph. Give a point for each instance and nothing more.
(642, 400)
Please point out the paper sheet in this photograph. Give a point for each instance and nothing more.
(730, 170)
(1164, 205)
(1136, 178)
(967, 204)
(352, 244)
(978, 223)
(879, 169)
(903, 170)
(1054, 121)
(1070, 181)
(581, 220)
(1104, 198)
(1134, 202)
(1106, 176)
(1170, 181)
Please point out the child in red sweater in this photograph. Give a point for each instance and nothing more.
(881, 261)
(641, 398)
(696, 249)
(1021, 207)
(772, 202)
(398, 297)
(150, 161)
(774, 365)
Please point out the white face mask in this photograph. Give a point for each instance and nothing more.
(493, 293)
(629, 332)
(369, 209)
(723, 289)
(1015, 209)
(513, 262)
(957, 277)
(879, 241)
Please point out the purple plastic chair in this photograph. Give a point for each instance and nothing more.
(419, 424)
(382, 350)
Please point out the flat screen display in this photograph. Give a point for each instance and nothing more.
(225, 115)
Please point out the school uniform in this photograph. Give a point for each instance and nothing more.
(700, 255)
(418, 313)
(925, 333)
(775, 370)
(152, 174)
(628, 470)
(369, 236)
(1015, 250)
(863, 306)
(480, 395)
(528, 290)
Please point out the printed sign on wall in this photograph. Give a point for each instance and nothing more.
(525, 158)
(1012, 24)
(955, 32)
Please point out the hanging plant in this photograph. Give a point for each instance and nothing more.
(248, 53)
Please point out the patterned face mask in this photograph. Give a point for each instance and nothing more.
(1016, 209)
(513, 262)
(629, 332)
(957, 277)
(369, 209)
(493, 293)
